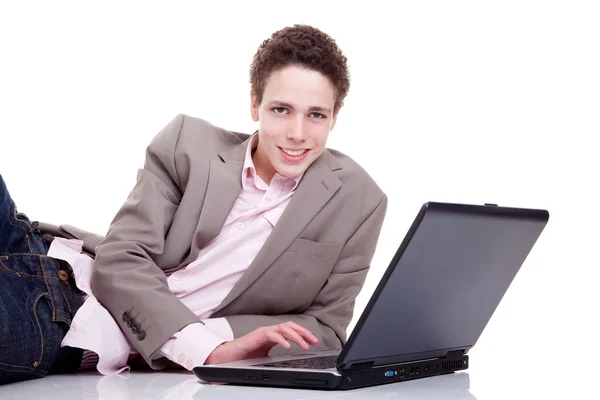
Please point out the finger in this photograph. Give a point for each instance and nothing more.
(306, 334)
(292, 335)
(275, 337)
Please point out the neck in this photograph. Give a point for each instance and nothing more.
(263, 167)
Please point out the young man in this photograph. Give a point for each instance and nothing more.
(230, 246)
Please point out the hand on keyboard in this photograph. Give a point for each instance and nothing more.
(259, 342)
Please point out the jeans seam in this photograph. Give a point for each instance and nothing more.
(29, 254)
(29, 243)
(47, 285)
(15, 219)
(36, 323)
(37, 320)
(24, 275)
(13, 367)
(18, 274)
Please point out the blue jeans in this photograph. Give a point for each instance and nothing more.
(38, 299)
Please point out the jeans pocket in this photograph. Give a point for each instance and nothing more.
(29, 344)
(55, 275)
(30, 337)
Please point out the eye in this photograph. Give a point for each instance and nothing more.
(279, 110)
(317, 115)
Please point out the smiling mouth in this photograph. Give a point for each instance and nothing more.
(294, 153)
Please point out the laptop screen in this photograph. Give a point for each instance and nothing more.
(444, 283)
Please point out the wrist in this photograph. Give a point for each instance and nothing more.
(213, 357)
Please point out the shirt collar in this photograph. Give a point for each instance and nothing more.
(249, 172)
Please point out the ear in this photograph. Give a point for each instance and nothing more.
(254, 107)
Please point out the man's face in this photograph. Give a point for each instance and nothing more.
(295, 118)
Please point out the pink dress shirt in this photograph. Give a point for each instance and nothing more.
(201, 285)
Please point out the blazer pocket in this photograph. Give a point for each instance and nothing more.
(317, 249)
(294, 280)
(313, 262)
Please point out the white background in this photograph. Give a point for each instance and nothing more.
(462, 101)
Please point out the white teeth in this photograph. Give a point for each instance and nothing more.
(294, 153)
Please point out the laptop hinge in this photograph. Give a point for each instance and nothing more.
(455, 353)
(362, 365)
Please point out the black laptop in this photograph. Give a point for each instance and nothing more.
(438, 293)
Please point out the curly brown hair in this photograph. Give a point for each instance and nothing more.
(303, 46)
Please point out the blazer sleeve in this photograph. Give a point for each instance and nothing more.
(127, 280)
(330, 313)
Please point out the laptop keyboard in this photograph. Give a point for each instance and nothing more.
(325, 362)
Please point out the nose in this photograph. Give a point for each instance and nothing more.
(297, 130)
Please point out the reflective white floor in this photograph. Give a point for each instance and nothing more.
(489, 381)
(182, 386)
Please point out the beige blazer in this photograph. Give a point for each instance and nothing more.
(309, 271)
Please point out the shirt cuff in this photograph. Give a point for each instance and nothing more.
(191, 346)
(220, 326)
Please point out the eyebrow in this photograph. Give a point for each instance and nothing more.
(289, 105)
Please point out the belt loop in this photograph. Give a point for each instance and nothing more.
(46, 237)
(35, 226)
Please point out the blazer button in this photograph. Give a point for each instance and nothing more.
(135, 328)
(141, 335)
(130, 322)
(126, 316)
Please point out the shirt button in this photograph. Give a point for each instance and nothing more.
(174, 280)
(267, 199)
(240, 225)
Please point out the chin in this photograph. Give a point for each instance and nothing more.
(288, 174)
(291, 173)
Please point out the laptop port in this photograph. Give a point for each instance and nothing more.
(390, 373)
(265, 377)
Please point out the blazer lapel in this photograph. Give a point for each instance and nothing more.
(224, 185)
(317, 186)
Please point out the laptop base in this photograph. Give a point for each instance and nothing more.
(333, 379)
(403, 372)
